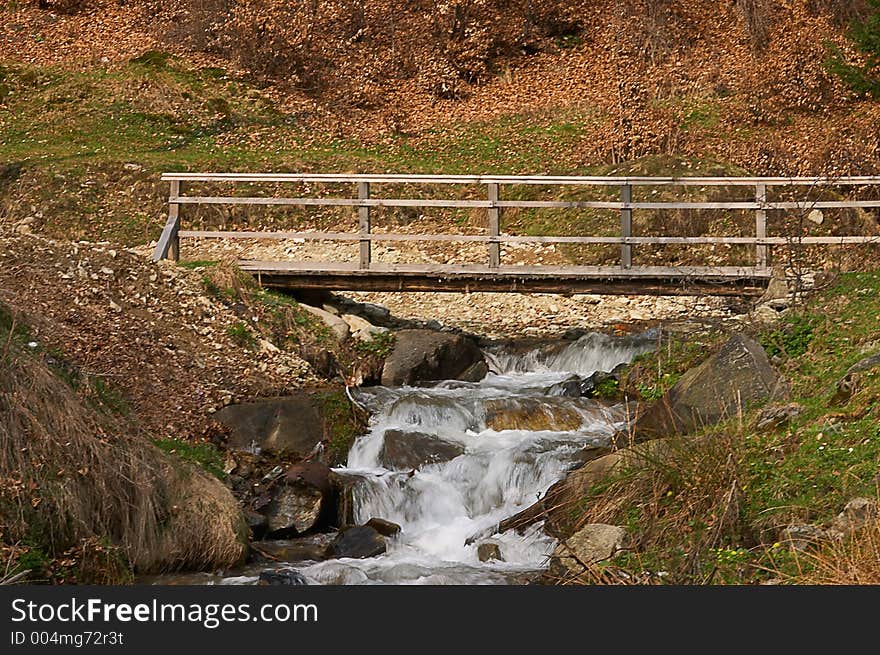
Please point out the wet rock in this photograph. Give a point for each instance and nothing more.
(424, 355)
(359, 542)
(532, 414)
(291, 425)
(383, 527)
(777, 415)
(344, 485)
(294, 509)
(302, 549)
(488, 551)
(282, 577)
(312, 474)
(572, 387)
(475, 372)
(851, 381)
(404, 451)
(258, 524)
(338, 573)
(554, 507)
(737, 376)
(593, 543)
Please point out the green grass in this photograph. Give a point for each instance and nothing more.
(205, 455)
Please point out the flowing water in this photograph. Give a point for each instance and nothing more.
(512, 436)
(518, 435)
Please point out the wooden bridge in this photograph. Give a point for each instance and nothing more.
(364, 274)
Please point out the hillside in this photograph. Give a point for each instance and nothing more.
(99, 97)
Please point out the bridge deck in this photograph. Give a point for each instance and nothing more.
(349, 276)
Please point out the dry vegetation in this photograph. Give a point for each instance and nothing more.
(82, 499)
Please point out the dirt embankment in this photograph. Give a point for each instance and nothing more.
(147, 331)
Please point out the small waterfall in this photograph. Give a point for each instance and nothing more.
(590, 353)
(495, 447)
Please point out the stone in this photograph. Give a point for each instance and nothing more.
(595, 542)
(855, 515)
(383, 527)
(427, 355)
(282, 577)
(337, 326)
(850, 382)
(405, 451)
(534, 414)
(554, 506)
(361, 329)
(258, 524)
(488, 551)
(816, 216)
(803, 537)
(292, 425)
(294, 509)
(302, 549)
(312, 474)
(775, 416)
(358, 542)
(344, 485)
(738, 376)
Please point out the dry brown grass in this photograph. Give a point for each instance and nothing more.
(69, 474)
(854, 560)
(685, 496)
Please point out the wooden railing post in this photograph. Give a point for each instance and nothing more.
(761, 227)
(168, 246)
(494, 227)
(174, 214)
(626, 226)
(364, 225)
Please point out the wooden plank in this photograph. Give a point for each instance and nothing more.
(168, 245)
(494, 227)
(615, 181)
(745, 205)
(626, 226)
(503, 238)
(364, 225)
(761, 226)
(395, 283)
(433, 269)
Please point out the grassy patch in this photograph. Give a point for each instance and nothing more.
(343, 423)
(204, 455)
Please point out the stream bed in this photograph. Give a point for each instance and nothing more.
(448, 462)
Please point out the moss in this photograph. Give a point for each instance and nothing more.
(343, 423)
(205, 455)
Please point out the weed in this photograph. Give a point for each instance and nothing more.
(204, 455)
(241, 334)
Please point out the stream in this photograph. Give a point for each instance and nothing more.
(500, 444)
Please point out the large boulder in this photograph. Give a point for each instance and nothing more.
(736, 377)
(534, 414)
(404, 451)
(593, 543)
(298, 425)
(557, 505)
(425, 355)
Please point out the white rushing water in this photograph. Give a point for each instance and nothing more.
(515, 434)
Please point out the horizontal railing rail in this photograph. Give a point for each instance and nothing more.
(168, 245)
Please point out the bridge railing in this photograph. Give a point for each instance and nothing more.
(168, 245)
